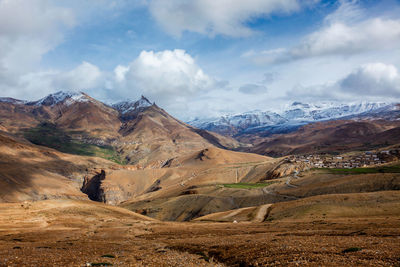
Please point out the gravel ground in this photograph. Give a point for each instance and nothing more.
(375, 242)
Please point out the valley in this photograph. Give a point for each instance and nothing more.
(89, 184)
(190, 133)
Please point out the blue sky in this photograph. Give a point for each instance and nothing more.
(202, 58)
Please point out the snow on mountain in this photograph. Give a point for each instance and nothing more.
(126, 108)
(295, 114)
(68, 96)
(299, 112)
(129, 106)
(12, 100)
(244, 120)
(77, 98)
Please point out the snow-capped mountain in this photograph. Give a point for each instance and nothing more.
(232, 124)
(68, 97)
(300, 112)
(129, 110)
(128, 106)
(12, 100)
(290, 117)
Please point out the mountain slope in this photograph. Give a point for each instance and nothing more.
(136, 132)
(330, 137)
(30, 172)
(155, 136)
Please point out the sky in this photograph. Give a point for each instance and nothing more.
(202, 58)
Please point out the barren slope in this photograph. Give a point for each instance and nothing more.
(33, 172)
(332, 136)
(154, 136)
(133, 132)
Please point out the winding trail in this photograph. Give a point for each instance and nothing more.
(289, 179)
(289, 184)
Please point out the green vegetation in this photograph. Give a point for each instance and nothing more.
(47, 134)
(381, 169)
(354, 249)
(247, 185)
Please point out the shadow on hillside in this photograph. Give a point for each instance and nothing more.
(18, 173)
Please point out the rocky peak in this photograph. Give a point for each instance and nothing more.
(68, 96)
(129, 106)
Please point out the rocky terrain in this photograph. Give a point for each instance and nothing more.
(87, 184)
(65, 232)
(136, 132)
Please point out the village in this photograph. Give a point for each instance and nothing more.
(358, 160)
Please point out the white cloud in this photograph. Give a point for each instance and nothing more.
(85, 76)
(163, 76)
(227, 17)
(171, 78)
(342, 39)
(28, 30)
(347, 31)
(372, 81)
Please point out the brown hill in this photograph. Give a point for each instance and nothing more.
(323, 207)
(333, 136)
(154, 137)
(217, 195)
(90, 116)
(61, 214)
(132, 132)
(30, 172)
(79, 113)
(184, 175)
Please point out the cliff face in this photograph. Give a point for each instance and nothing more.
(92, 187)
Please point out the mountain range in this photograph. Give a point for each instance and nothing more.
(291, 118)
(141, 133)
(136, 132)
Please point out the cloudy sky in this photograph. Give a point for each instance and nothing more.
(202, 58)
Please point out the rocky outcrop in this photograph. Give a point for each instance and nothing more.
(92, 187)
(285, 169)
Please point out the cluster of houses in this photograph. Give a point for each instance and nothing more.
(364, 159)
